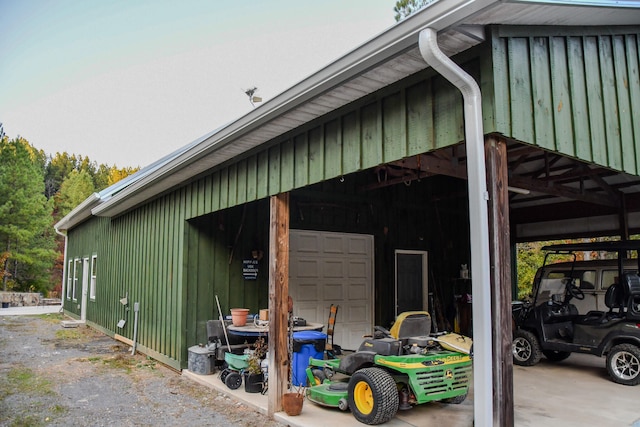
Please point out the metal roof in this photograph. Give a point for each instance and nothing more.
(613, 246)
(385, 59)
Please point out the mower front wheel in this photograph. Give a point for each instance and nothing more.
(456, 400)
(373, 396)
(318, 377)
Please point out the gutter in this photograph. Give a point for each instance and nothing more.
(64, 268)
(478, 221)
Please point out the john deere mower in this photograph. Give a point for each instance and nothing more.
(395, 369)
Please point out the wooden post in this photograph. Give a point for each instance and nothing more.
(278, 301)
(500, 257)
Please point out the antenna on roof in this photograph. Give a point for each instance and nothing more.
(253, 99)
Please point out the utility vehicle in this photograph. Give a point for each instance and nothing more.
(551, 325)
(395, 369)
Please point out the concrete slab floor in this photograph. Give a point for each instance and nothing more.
(575, 392)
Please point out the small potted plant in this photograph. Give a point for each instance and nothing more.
(253, 375)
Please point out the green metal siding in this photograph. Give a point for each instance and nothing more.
(570, 90)
(176, 253)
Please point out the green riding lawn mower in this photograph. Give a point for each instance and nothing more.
(393, 370)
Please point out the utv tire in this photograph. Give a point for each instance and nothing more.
(373, 396)
(623, 364)
(525, 348)
(456, 400)
(556, 356)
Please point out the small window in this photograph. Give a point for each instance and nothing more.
(588, 280)
(76, 267)
(609, 277)
(94, 272)
(69, 279)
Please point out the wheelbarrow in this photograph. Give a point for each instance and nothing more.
(232, 374)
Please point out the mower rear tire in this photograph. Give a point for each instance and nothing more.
(373, 396)
(526, 349)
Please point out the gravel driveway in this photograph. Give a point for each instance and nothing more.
(57, 376)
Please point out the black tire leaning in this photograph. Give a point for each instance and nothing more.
(525, 348)
(383, 395)
(623, 364)
(556, 356)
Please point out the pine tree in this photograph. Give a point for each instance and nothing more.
(26, 237)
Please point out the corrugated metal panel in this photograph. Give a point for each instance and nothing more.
(571, 93)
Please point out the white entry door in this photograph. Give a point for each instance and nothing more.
(85, 289)
(333, 268)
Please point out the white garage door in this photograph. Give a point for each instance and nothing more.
(333, 268)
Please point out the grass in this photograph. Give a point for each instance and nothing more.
(124, 362)
(69, 334)
(24, 380)
(52, 317)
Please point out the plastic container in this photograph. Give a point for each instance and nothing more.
(306, 344)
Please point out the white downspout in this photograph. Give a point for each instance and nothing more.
(478, 222)
(64, 270)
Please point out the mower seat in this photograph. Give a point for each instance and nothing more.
(411, 324)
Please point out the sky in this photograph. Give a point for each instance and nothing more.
(126, 82)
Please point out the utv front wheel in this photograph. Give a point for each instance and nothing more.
(373, 396)
(526, 350)
(623, 364)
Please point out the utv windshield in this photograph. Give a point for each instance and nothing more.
(552, 290)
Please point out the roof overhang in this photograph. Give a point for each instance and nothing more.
(385, 59)
(80, 213)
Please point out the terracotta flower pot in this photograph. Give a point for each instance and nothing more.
(292, 403)
(239, 316)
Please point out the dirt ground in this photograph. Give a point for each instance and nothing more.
(57, 376)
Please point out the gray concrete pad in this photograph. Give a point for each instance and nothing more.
(576, 392)
(30, 311)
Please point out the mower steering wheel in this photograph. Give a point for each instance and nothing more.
(382, 330)
(575, 292)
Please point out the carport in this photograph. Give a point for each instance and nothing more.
(555, 131)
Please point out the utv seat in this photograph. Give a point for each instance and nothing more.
(614, 300)
(632, 295)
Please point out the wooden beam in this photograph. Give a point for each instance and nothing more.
(279, 364)
(500, 257)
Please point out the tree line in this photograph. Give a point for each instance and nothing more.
(36, 191)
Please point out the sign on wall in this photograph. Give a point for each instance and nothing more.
(250, 269)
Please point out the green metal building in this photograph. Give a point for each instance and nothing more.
(373, 145)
